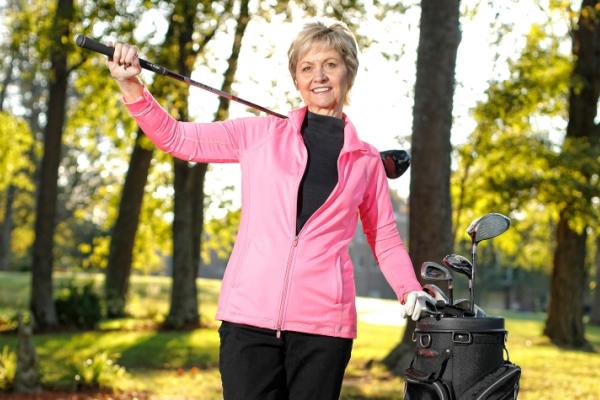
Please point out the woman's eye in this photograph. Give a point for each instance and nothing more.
(331, 65)
(306, 69)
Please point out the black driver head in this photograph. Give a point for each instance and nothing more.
(395, 162)
(459, 264)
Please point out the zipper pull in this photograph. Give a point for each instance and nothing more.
(295, 242)
(278, 334)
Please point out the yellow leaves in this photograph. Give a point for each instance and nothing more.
(15, 141)
(85, 248)
(96, 252)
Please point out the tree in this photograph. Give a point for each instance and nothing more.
(15, 49)
(430, 225)
(189, 206)
(564, 323)
(595, 314)
(42, 303)
(127, 221)
(53, 46)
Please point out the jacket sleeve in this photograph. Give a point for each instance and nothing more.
(222, 141)
(377, 217)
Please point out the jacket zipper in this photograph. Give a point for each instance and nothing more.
(295, 244)
(285, 285)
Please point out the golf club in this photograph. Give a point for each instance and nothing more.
(435, 292)
(461, 265)
(487, 227)
(435, 272)
(465, 305)
(395, 162)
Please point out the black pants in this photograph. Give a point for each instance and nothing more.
(256, 365)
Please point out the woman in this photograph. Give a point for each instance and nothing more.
(287, 301)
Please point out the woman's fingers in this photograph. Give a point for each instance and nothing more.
(130, 56)
(124, 64)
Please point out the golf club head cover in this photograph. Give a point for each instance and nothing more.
(416, 302)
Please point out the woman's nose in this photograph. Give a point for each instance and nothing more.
(319, 75)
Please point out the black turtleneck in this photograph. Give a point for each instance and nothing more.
(323, 137)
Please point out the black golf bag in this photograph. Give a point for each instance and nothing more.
(460, 358)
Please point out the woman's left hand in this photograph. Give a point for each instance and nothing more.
(414, 303)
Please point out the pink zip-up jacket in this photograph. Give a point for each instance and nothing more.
(276, 279)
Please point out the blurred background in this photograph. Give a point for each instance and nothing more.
(111, 253)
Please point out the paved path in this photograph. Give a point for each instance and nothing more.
(379, 311)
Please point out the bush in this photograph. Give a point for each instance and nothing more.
(8, 368)
(98, 372)
(79, 307)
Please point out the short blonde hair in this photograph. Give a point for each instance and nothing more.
(336, 36)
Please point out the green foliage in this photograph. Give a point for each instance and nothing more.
(511, 162)
(98, 372)
(78, 306)
(8, 368)
(15, 142)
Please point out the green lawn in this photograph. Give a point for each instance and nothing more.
(184, 364)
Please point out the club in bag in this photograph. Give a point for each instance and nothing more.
(487, 227)
(435, 272)
(437, 293)
(462, 265)
(465, 305)
(395, 162)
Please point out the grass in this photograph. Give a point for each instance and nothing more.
(183, 365)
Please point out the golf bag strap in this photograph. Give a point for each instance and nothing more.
(427, 377)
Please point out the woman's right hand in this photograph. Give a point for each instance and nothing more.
(124, 67)
(124, 64)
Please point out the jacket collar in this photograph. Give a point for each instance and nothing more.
(351, 139)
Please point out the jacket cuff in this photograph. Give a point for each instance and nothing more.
(403, 290)
(141, 104)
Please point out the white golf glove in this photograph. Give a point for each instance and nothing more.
(415, 303)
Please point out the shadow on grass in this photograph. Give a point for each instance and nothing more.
(166, 350)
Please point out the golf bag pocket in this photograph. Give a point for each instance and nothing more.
(422, 385)
(502, 384)
(417, 390)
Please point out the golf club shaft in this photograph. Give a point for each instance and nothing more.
(472, 280)
(91, 44)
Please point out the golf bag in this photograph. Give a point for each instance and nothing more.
(460, 358)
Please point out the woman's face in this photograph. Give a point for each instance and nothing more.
(321, 78)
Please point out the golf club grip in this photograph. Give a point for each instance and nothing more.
(90, 44)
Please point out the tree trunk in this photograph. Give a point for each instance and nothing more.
(595, 314)
(430, 217)
(6, 228)
(564, 324)
(183, 311)
(189, 207)
(125, 228)
(184, 295)
(199, 173)
(42, 302)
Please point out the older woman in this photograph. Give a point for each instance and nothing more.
(287, 302)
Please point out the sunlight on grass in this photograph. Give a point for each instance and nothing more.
(171, 365)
